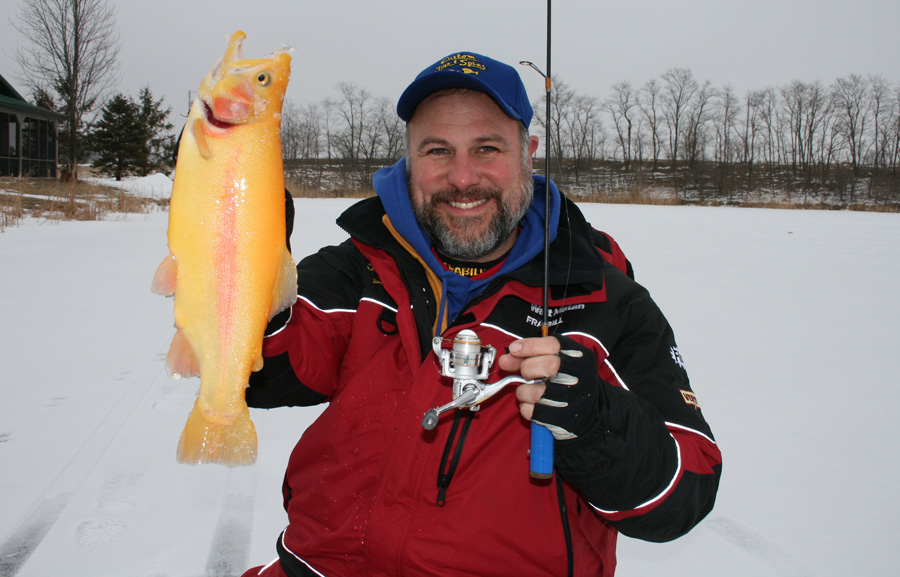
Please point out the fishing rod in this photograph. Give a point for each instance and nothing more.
(541, 437)
(469, 360)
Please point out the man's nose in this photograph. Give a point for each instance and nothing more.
(463, 172)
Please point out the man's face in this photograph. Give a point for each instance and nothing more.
(469, 180)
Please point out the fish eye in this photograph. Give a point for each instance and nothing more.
(263, 79)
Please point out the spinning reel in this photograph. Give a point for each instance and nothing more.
(468, 363)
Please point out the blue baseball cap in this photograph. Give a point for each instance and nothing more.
(475, 72)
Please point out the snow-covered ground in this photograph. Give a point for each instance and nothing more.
(789, 323)
(151, 186)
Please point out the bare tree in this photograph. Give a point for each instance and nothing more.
(697, 117)
(311, 131)
(726, 111)
(649, 102)
(392, 128)
(353, 110)
(751, 129)
(560, 102)
(817, 116)
(725, 114)
(880, 90)
(678, 90)
(72, 50)
(769, 114)
(622, 107)
(583, 132)
(850, 102)
(893, 142)
(291, 130)
(794, 98)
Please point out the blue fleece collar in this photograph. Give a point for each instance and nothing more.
(390, 185)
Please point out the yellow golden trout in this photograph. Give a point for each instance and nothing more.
(228, 266)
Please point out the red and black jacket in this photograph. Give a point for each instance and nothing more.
(368, 491)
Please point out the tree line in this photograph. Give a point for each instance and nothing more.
(804, 125)
(674, 131)
(674, 124)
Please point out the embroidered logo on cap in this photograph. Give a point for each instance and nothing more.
(465, 63)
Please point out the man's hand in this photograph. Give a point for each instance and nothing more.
(567, 402)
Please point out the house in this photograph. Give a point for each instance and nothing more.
(28, 142)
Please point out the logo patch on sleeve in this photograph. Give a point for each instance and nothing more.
(690, 398)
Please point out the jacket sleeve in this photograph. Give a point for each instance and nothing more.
(303, 348)
(650, 466)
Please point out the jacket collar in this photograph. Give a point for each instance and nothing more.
(573, 258)
(391, 187)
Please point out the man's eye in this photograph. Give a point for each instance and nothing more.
(437, 151)
(488, 149)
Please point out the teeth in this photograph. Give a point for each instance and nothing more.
(467, 204)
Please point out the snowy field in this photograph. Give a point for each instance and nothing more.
(789, 323)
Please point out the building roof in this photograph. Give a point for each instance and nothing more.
(12, 100)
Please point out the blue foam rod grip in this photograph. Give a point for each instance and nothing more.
(541, 452)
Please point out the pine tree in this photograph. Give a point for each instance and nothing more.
(118, 137)
(158, 142)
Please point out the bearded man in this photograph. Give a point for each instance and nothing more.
(454, 241)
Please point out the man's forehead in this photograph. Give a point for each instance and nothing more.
(464, 94)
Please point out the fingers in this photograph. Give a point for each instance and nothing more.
(534, 347)
(528, 396)
(535, 358)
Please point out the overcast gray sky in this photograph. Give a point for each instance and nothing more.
(382, 45)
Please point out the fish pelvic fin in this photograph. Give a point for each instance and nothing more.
(206, 440)
(182, 361)
(285, 284)
(166, 274)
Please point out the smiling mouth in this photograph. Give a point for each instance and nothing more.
(467, 205)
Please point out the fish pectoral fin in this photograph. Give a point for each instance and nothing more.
(166, 274)
(285, 285)
(182, 362)
(200, 139)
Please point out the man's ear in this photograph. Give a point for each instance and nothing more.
(532, 148)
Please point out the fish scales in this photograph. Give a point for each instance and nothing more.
(228, 268)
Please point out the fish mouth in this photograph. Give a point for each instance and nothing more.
(213, 121)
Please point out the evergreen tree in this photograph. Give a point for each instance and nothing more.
(44, 98)
(158, 142)
(118, 137)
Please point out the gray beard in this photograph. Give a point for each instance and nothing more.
(465, 245)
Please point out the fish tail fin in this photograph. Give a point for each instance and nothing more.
(182, 362)
(227, 443)
(285, 284)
